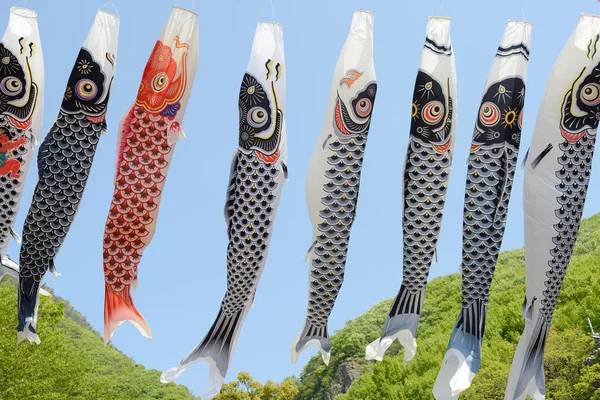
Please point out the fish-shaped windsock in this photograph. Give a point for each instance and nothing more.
(334, 178)
(557, 174)
(258, 173)
(147, 136)
(64, 162)
(425, 183)
(490, 171)
(21, 109)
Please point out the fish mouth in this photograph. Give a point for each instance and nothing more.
(572, 137)
(441, 148)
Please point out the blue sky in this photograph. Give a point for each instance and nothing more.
(182, 275)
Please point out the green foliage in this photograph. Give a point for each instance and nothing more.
(568, 345)
(246, 388)
(71, 362)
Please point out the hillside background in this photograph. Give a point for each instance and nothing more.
(72, 362)
(572, 372)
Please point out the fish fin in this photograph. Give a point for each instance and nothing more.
(53, 270)
(527, 372)
(525, 158)
(44, 153)
(29, 298)
(33, 141)
(309, 335)
(45, 293)
(529, 313)
(104, 128)
(435, 256)
(504, 183)
(118, 308)
(541, 156)
(401, 323)
(284, 168)
(326, 140)
(15, 235)
(216, 349)
(309, 250)
(125, 133)
(463, 355)
(8, 266)
(230, 195)
(175, 133)
(524, 310)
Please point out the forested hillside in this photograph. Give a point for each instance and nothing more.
(570, 343)
(71, 362)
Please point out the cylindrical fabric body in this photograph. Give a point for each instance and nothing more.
(557, 175)
(148, 134)
(334, 177)
(491, 168)
(257, 176)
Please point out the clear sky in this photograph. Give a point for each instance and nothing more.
(183, 273)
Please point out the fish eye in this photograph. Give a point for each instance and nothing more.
(489, 114)
(11, 86)
(363, 107)
(6, 60)
(433, 112)
(160, 81)
(86, 89)
(590, 94)
(257, 117)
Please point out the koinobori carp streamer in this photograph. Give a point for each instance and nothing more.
(258, 173)
(557, 174)
(425, 184)
(64, 162)
(334, 177)
(491, 169)
(21, 109)
(148, 134)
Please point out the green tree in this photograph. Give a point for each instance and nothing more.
(246, 388)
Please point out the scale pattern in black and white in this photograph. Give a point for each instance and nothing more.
(64, 161)
(491, 168)
(331, 247)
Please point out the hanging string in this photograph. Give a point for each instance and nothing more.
(522, 10)
(443, 9)
(24, 3)
(112, 2)
(273, 11)
(179, 3)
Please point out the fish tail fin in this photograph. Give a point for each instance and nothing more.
(463, 355)
(309, 335)
(401, 324)
(8, 266)
(216, 349)
(29, 298)
(118, 308)
(527, 371)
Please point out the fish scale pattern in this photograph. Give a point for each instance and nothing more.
(489, 183)
(11, 186)
(331, 246)
(574, 174)
(426, 177)
(142, 165)
(64, 162)
(252, 215)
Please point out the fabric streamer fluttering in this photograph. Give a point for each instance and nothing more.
(425, 184)
(490, 172)
(21, 110)
(148, 134)
(334, 177)
(258, 173)
(64, 162)
(557, 174)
